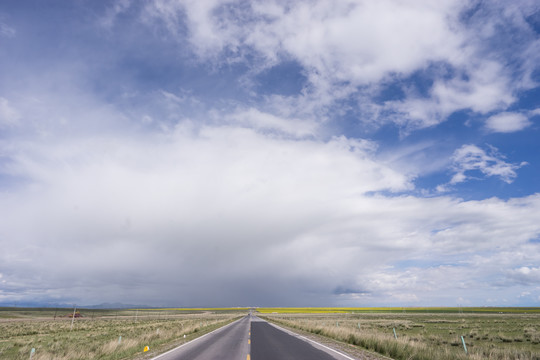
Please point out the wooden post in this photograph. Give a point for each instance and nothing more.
(73, 317)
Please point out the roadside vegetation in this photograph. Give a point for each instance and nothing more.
(409, 310)
(422, 335)
(103, 334)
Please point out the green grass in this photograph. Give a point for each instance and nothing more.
(201, 310)
(422, 336)
(96, 334)
(423, 333)
(443, 310)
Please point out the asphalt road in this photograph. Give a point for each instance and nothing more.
(227, 343)
(251, 338)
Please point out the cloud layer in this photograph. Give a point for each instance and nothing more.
(206, 211)
(225, 153)
(351, 48)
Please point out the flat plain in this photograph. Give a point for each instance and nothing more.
(420, 333)
(103, 334)
(423, 333)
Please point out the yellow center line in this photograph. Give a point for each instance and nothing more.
(249, 343)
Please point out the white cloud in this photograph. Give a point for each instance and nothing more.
(349, 46)
(507, 122)
(127, 215)
(209, 199)
(484, 90)
(9, 116)
(472, 158)
(265, 121)
(208, 32)
(340, 46)
(358, 41)
(254, 196)
(526, 275)
(113, 11)
(6, 30)
(535, 112)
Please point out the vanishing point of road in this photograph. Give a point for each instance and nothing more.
(251, 338)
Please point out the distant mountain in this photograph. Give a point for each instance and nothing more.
(116, 305)
(38, 304)
(34, 304)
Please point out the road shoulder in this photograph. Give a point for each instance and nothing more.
(353, 351)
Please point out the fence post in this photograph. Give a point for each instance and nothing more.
(464, 346)
(73, 317)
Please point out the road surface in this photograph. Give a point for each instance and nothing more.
(228, 342)
(251, 338)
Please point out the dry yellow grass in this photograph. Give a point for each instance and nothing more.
(99, 337)
(427, 336)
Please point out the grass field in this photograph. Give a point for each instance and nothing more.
(422, 333)
(414, 310)
(503, 335)
(97, 334)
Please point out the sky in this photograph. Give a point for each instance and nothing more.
(270, 153)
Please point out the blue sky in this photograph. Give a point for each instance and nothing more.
(222, 153)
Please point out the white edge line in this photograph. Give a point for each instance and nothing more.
(313, 341)
(305, 338)
(192, 341)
